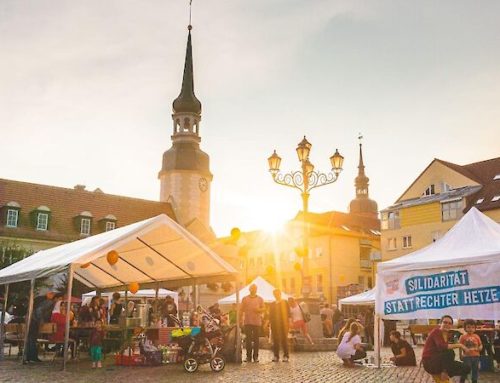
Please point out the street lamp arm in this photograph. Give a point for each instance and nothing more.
(317, 179)
(293, 179)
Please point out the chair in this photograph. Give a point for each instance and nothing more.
(45, 331)
(14, 336)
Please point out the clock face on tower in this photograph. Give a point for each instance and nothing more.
(203, 184)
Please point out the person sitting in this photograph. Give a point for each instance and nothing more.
(438, 357)
(350, 348)
(403, 352)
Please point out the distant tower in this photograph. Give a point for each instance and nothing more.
(362, 205)
(185, 174)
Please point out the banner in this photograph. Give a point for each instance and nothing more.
(463, 292)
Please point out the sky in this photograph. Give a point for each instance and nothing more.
(86, 89)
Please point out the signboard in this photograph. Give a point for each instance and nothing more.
(463, 292)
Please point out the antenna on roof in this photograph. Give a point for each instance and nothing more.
(360, 137)
(190, 6)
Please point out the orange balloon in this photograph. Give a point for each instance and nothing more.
(133, 287)
(112, 257)
(85, 265)
(297, 266)
(270, 269)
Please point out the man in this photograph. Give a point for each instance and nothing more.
(438, 356)
(403, 352)
(279, 314)
(337, 319)
(326, 314)
(252, 306)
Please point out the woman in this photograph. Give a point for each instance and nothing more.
(350, 348)
(116, 309)
(438, 356)
(403, 352)
(347, 327)
(297, 319)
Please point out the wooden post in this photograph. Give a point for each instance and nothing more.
(29, 314)
(238, 329)
(2, 320)
(377, 340)
(68, 309)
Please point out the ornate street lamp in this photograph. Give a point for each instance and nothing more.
(305, 180)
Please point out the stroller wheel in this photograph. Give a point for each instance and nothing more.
(217, 363)
(191, 365)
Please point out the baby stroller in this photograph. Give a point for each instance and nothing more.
(203, 345)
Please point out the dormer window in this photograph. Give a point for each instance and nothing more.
(40, 218)
(10, 214)
(83, 223)
(107, 223)
(429, 191)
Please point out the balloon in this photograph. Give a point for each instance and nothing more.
(112, 257)
(133, 287)
(297, 266)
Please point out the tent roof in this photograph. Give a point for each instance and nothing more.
(154, 250)
(365, 298)
(473, 239)
(264, 290)
(148, 293)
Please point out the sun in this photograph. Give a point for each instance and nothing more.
(273, 224)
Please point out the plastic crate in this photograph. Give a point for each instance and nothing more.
(129, 360)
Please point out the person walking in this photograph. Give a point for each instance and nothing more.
(251, 309)
(279, 314)
(438, 357)
(298, 320)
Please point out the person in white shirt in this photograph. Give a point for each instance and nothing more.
(350, 348)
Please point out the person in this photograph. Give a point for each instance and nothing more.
(116, 308)
(42, 311)
(369, 326)
(326, 314)
(95, 309)
(95, 341)
(347, 326)
(403, 352)
(297, 319)
(350, 348)
(337, 319)
(473, 342)
(169, 308)
(251, 309)
(438, 357)
(59, 318)
(279, 314)
(215, 311)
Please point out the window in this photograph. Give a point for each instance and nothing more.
(292, 285)
(85, 226)
(451, 210)
(42, 221)
(12, 217)
(480, 200)
(370, 282)
(446, 188)
(319, 283)
(283, 282)
(361, 281)
(495, 198)
(391, 244)
(110, 225)
(496, 178)
(429, 191)
(318, 252)
(407, 242)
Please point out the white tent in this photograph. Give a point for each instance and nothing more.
(365, 298)
(456, 275)
(264, 290)
(153, 252)
(146, 293)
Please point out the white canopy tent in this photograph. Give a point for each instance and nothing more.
(264, 290)
(146, 293)
(457, 275)
(154, 252)
(366, 298)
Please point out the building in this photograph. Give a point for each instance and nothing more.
(341, 246)
(436, 200)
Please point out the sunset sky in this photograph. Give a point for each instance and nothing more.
(86, 89)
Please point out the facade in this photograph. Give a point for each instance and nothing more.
(35, 217)
(341, 246)
(185, 174)
(436, 200)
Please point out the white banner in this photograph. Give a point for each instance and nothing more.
(463, 292)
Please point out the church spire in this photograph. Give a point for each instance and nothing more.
(187, 102)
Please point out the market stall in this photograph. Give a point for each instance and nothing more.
(456, 275)
(154, 253)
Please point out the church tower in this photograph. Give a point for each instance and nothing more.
(362, 205)
(185, 174)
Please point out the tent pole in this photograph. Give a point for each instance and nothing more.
(156, 302)
(2, 320)
(377, 340)
(238, 329)
(68, 311)
(28, 320)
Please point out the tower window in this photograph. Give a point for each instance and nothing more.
(110, 225)
(85, 226)
(391, 244)
(12, 217)
(429, 191)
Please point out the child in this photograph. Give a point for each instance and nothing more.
(96, 338)
(473, 343)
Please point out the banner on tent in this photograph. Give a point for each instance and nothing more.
(472, 291)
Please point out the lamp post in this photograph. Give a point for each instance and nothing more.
(305, 180)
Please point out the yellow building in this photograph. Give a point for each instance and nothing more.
(435, 201)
